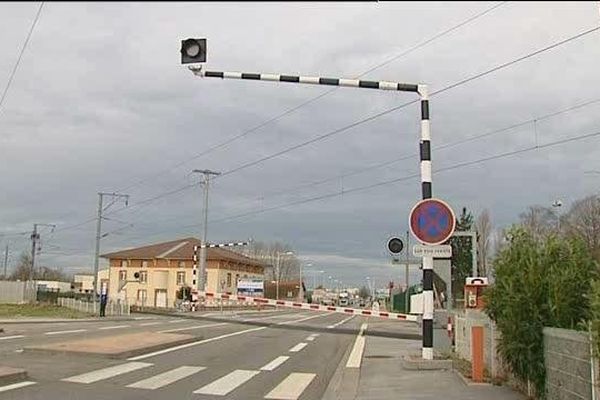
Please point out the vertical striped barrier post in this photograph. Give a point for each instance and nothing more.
(425, 157)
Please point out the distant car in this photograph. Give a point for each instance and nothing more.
(343, 301)
(362, 303)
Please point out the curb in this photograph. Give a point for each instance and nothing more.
(10, 375)
(418, 364)
(49, 321)
(467, 382)
(118, 356)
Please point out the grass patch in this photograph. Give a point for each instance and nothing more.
(39, 310)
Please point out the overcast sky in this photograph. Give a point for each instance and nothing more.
(100, 103)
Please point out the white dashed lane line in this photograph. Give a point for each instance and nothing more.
(298, 347)
(65, 332)
(105, 328)
(12, 337)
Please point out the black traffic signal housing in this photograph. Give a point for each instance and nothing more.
(193, 51)
(136, 275)
(395, 245)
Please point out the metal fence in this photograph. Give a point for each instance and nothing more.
(113, 308)
(17, 292)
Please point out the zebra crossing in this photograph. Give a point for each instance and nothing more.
(290, 388)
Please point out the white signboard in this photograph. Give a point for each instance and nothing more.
(440, 251)
(250, 287)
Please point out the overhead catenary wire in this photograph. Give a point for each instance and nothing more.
(404, 105)
(390, 181)
(18, 62)
(413, 176)
(443, 146)
(437, 148)
(319, 96)
(375, 116)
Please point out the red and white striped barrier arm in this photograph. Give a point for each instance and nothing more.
(309, 306)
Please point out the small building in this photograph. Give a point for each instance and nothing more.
(53, 286)
(165, 268)
(84, 283)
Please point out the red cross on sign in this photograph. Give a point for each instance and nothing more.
(432, 221)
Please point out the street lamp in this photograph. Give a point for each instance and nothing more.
(557, 205)
(279, 254)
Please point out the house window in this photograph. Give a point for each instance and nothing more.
(237, 278)
(142, 295)
(181, 264)
(123, 275)
(123, 263)
(144, 264)
(181, 278)
(228, 279)
(143, 276)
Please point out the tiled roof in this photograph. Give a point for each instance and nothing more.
(182, 249)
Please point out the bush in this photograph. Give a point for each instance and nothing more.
(538, 283)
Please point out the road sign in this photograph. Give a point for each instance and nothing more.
(251, 287)
(443, 251)
(395, 245)
(432, 221)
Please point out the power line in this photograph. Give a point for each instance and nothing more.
(391, 181)
(314, 99)
(411, 156)
(389, 110)
(441, 147)
(409, 177)
(14, 70)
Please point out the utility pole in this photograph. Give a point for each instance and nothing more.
(6, 262)
(207, 174)
(101, 209)
(35, 237)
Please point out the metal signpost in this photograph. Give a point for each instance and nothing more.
(193, 51)
(432, 222)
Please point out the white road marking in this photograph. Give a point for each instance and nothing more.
(275, 363)
(16, 386)
(265, 318)
(114, 327)
(355, 357)
(63, 332)
(151, 323)
(177, 321)
(106, 373)
(303, 319)
(166, 378)
(228, 383)
(291, 387)
(341, 322)
(12, 337)
(187, 328)
(298, 347)
(142, 318)
(185, 346)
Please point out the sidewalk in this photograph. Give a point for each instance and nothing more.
(36, 320)
(382, 377)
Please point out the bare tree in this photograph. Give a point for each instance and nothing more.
(289, 266)
(583, 221)
(23, 268)
(483, 225)
(538, 220)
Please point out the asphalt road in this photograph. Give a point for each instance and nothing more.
(280, 355)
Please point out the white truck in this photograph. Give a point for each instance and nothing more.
(344, 299)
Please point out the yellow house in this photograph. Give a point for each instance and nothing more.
(166, 267)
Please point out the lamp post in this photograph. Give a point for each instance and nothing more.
(557, 205)
(278, 264)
